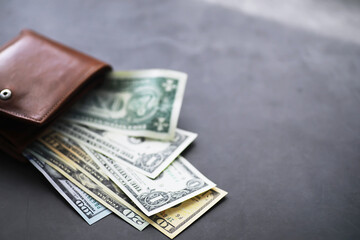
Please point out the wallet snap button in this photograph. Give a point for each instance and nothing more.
(5, 94)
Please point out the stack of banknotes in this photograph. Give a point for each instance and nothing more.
(118, 151)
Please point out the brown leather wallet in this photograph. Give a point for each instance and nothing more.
(39, 79)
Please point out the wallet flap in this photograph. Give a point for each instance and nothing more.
(39, 75)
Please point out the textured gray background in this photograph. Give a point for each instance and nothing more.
(273, 91)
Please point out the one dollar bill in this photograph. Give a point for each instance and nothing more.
(148, 157)
(177, 183)
(88, 208)
(138, 103)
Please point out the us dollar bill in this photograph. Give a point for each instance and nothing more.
(178, 182)
(142, 103)
(147, 156)
(174, 220)
(69, 150)
(88, 208)
(87, 185)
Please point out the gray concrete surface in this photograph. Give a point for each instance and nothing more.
(339, 19)
(276, 106)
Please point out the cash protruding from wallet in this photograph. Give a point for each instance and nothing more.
(118, 151)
